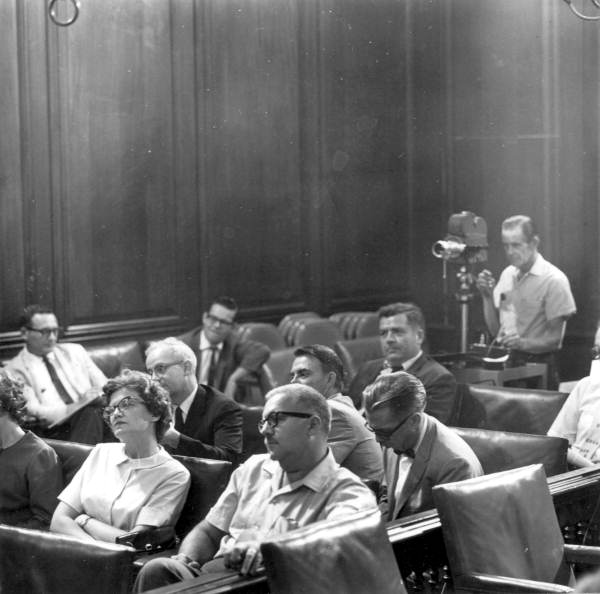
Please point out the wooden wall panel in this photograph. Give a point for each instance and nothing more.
(250, 137)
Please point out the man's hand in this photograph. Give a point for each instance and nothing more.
(485, 282)
(511, 340)
(243, 555)
(230, 388)
(171, 437)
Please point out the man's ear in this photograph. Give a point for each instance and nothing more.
(187, 368)
(315, 423)
(23, 331)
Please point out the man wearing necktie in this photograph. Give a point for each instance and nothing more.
(62, 382)
(207, 424)
(402, 332)
(226, 361)
(419, 452)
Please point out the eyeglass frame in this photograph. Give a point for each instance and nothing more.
(277, 413)
(46, 332)
(164, 367)
(215, 320)
(130, 401)
(388, 434)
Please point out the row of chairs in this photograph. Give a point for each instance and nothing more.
(308, 327)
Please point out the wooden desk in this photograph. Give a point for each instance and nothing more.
(499, 377)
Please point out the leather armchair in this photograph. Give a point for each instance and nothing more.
(519, 410)
(348, 556)
(502, 534)
(44, 563)
(113, 357)
(501, 450)
(354, 353)
(254, 442)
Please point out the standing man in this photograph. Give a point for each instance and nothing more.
(419, 451)
(402, 332)
(528, 308)
(296, 484)
(352, 444)
(224, 360)
(61, 378)
(207, 424)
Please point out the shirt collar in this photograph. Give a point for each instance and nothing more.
(316, 479)
(409, 362)
(204, 344)
(187, 403)
(141, 463)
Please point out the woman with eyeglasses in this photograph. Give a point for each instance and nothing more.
(30, 473)
(131, 485)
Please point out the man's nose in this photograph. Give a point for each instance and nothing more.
(266, 429)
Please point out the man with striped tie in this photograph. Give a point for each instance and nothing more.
(207, 424)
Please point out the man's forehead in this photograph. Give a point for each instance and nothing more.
(514, 235)
(278, 401)
(392, 321)
(304, 362)
(44, 320)
(161, 355)
(220, 311)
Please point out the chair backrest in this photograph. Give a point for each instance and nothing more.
(45, 563)
(71, 456)
(278, 366)
(208, 480)
(113, 357)
(354, 353)
(350, 556)
(263, 332)
(316, 331)
(519, 410)
(346, 320)
(287, 324)
(254, 442)
(502, 524)
(367, 324)
(501, 450)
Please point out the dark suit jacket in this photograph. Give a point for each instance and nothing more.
(439, 383)
(442, 457)
(236, 353)
(212, 429)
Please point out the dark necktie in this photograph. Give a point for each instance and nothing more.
(212, 370)
(178, 420)
(409, 452)
(60, 388)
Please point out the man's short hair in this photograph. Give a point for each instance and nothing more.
(227, 302)
(328, 359)
(308, 400)
(524, 223)
(177, 348)
(413, 313)
(32, 310)
(402, 392)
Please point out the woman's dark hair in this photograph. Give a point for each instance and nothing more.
(11, 397)
(155, 397)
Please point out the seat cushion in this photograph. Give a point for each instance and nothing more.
(113, 357)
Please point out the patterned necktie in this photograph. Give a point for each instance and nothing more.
(178, 420)
(60, 387)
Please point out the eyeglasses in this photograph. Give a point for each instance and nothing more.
(161, 368)
(45, 332)
(123, 405)
(387, 434)
(214, 320)
(272, 420)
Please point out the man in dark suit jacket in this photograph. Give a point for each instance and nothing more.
(419, 452)
(207, 424)
(225, 361)
(402, 331)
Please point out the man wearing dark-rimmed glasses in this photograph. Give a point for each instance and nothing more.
(226, 361)
(295, 484)
(60, 379)
(419, 451)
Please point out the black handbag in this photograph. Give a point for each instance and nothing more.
(149, 541)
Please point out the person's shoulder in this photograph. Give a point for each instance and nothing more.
(190, 335)
(71, 349)
(17, 361)
(429, 365)
(216, 400)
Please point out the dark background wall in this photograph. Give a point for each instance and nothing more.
(294, 154)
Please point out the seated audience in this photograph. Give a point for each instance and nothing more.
(207, 424)
(297, 483)
(419, 451)
(352, 444)
(402, 332)
(579, 419)
(132, 485)
(60, 378)
(224, 359)
(30, 470)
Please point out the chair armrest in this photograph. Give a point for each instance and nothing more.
(582, 554)
(484, 582)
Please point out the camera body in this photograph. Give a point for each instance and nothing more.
(466, 242)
